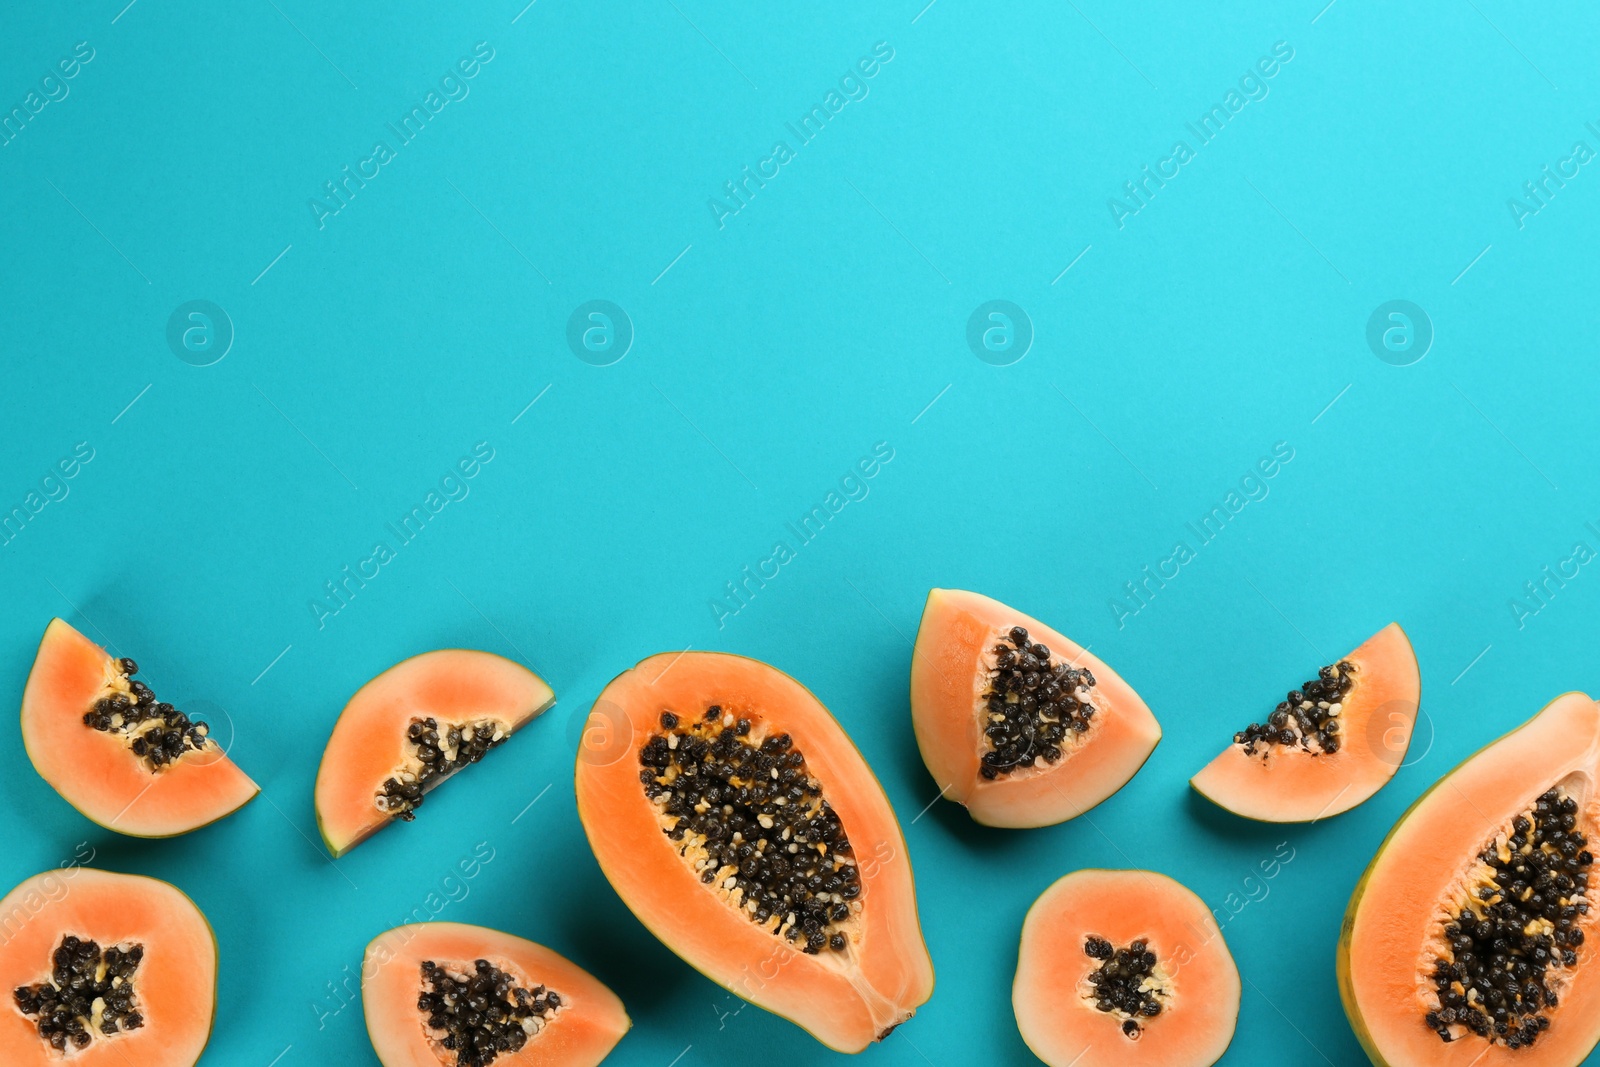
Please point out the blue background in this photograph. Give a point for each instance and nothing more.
(369, 355)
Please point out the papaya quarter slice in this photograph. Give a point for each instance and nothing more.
(1329, 745)
(412, 728)
(122, 757)
(1470, 939)
(1015, 720)
(741, 826)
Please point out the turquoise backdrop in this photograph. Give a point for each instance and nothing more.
(274, 267)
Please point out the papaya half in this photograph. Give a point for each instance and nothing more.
(113, 750)
(1016, 721)
(412, 727)
(449, 993)
(741, 826)
(104, 970)
(1330, 744)
(1124, 969)
(1465, 942)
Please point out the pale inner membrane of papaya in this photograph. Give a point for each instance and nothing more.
(154, 731)
(1308, 718)
(474, 1012)
(436, 752)
(741, 808)
(1505, 949)
(1034, 708)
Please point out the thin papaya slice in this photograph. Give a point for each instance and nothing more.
(741, 826)
(411, 728)
(1469, 939)
(104, 969)
(453, 995)
(1124, 969)
(1330, 744)
(113, 750)
(1015, 720)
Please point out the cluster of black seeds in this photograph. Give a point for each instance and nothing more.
(1494, 978)
(436, 757)
(85, 989)
(1311, 713)
(1032, 706)
(1121, 979)
(755, 824)
(161, 733)
(482, 1014)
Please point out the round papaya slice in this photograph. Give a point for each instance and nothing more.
(412, 727)
(452, 995)
(1470, 939)
(1124, 969)
(738, 822)
(1328, 745)
(124, 758)
(1016, 721)
(104, 970)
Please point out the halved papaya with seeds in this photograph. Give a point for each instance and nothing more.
(412, 727)
(741, 826)
(104, 969)
(124, 758)
(1469, 938)
(1330, 744)
(453, 995)
(1124, 969)
(1016, 721)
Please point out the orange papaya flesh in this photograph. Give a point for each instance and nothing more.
(413, 727)
(104, 970)
(438, 994)
(123, 758)
(1468, 939)
(1124, 969)
(1023, 736)
(711, 788)
(1330, 745)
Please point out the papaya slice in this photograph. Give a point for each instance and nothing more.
(741, 826)
(122, 757)
(453, 995)
(1016, 721)
(1124, 969)
(1329, 745)
(412, 727)
(1469, 938)
(104, 969)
